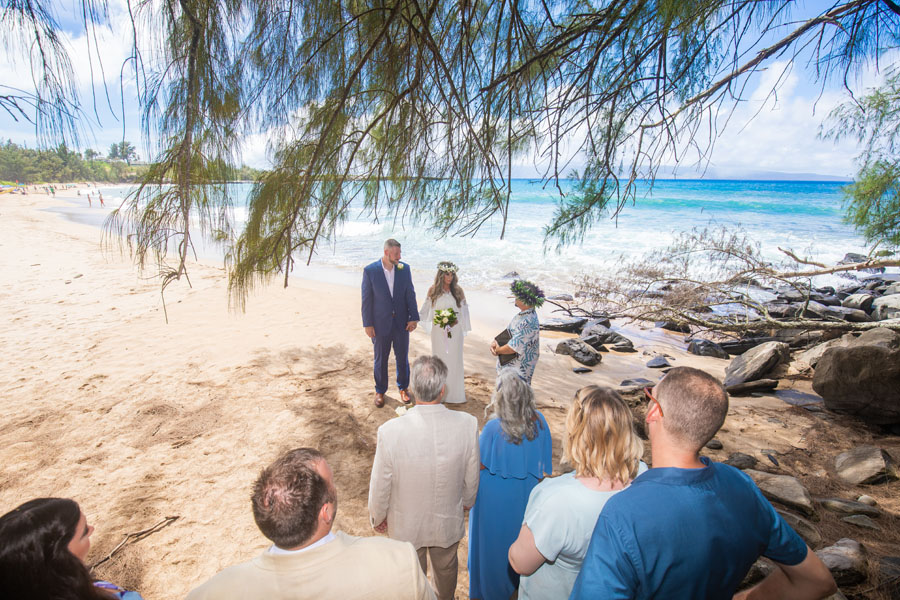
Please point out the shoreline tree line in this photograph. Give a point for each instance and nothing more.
(63, 165)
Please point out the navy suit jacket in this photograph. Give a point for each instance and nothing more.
(381, 310)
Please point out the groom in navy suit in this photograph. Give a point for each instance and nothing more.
(389, 314)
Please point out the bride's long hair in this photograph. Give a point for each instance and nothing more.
(438, 288)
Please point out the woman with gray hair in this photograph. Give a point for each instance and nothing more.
(516, 453)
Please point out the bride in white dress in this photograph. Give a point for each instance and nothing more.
(446, 293)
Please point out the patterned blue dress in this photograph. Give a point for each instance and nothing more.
(509, 473)
(525, 331)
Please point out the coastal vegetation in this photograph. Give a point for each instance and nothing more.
(62, 165)
(430, 105)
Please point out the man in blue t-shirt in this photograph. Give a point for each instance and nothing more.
(688, 527)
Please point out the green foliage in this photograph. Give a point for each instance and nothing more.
(873, 200)
(60, 165)
(873, 203)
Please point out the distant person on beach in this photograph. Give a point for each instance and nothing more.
(100, 194)
(447, 341)
(602, 445)
(389, 314)
(43, 545)
(689, 527)
(90, 205)
(294, 505)
(516, 453)
(425, 475)
(524, 331)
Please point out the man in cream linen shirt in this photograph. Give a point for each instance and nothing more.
(426, 474)
(294, 504)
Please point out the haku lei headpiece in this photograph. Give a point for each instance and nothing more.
(447, 267)
(527, 292)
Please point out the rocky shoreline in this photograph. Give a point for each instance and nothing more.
(840, 492)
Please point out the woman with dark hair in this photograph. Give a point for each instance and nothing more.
(516, 453)
(447, 336)
(43, 544)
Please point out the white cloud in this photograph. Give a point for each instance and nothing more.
(780, 131)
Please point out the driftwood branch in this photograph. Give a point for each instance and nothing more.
(718, 280)
(137, 536)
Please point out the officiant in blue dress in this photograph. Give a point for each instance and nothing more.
(389, 314)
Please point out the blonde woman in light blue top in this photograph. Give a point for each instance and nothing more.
(605, 450)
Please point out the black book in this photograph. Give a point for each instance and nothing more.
(502, 340)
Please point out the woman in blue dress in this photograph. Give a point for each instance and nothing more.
(43, 544)
(516, 453)
(524, 331)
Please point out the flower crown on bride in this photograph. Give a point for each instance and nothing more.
(447, 267)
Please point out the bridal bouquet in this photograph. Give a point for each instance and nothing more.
(445, 319)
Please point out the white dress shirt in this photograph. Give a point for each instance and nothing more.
(389, 275)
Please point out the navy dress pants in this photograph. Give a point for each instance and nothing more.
(399, 340)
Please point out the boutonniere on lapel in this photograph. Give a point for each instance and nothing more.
(400, 266)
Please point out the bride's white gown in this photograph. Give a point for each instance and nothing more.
(449, 350)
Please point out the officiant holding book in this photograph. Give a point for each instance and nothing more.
(389, 314)
(521, 340)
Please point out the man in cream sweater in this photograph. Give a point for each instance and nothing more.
(425, 475)
(294, 505)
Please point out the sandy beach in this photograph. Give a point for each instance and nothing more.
(139, 420)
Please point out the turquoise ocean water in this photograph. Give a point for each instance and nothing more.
(803, 216)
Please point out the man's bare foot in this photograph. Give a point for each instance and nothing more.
(379, 400)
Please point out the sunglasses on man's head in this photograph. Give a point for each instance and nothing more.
(648, 393)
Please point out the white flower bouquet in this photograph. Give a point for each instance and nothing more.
(445, 319)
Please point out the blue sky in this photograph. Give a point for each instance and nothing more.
(764, 133)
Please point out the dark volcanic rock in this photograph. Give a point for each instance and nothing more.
(830, 299)
(565, 324)
(579, 351)
(880, 336)
(865, 464)
(562, 298)
(854, 315)
(886, 307)
(784, 489)
(755, 363)
(714, 444)
(511, 275)
(748, 387)
(846, 560)
(658, 362)
(673, 326)
(852, 258)
(814, 354)
(596, 321)
(799, 338)
(850, 507)
(636, 382)
(742, 345)
(741, 461)
(809, 532)
(862, 521)
(859, 301)
(862, 381)
(707, 348)
(598, 334)
(783, 310)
